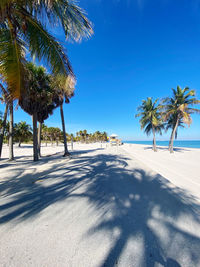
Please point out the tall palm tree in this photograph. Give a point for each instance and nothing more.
(63, 88)
(37, 99)
(150, 113)
(170, 124)
(22, 25)
(3, 99)
(11, 131)
(179, 109)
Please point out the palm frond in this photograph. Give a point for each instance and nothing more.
(44, 46)
(12, 61)
(68, 14)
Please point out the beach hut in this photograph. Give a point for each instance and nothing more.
(114, 140)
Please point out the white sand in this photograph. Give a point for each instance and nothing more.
(182, 168)
(102, 207)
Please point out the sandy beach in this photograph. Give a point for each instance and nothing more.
(105, 206)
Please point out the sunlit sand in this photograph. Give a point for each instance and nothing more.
(103, 206)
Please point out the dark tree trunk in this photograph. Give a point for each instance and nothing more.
(11, 154)
(35, 143)
(154, 141)
(3, 128)
(39, 138)
(172, 137)
(19, 145)
(46, 140)
(66, 152)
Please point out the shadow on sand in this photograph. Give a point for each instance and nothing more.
(176, 149)
(136, 203)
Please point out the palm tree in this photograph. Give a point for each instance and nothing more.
(11, 132)
(178, 109)
(22, 131)
(37, 99)
(44, 133)
(3, 121)
(170, 124)
(150, 118)
(63, 90)
(51, 134)
(22, 27)
(85, 134)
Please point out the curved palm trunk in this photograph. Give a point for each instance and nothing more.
(35, 143)
(66, 152)
(171, 146)
(3, 128)
(154, 140)
(170, 141)
(39, 138)
(11, 154)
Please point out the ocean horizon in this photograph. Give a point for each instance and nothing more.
(177, 143)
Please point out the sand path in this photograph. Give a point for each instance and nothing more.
(102, 207)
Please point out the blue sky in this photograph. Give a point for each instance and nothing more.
(141, 48)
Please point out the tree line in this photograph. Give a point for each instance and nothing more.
(170, 113)
(23, 133)
(23, 34)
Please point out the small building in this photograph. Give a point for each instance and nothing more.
(114, 140)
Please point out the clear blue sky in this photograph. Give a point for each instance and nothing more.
(140, 48)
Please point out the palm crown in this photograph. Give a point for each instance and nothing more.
(179, 105)
(22, 26)
(150, 116)
(178, 110)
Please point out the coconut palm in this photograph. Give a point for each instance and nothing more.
(170, 124)
(22, 25)
(150, 113)
(178, 109)
(22, 131)
(63, 88)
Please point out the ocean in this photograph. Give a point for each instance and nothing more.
(177, 143)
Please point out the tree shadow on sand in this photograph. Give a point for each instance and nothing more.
(140, 205)
(165, 148)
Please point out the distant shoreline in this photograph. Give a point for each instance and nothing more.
(177, 143)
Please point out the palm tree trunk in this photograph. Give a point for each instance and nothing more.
(66, 152)
(172, 137)
(39, 138)
(11, 154)
(170, 141)
(3, 128)
(154, 140)
(35, 143)
(19, 145)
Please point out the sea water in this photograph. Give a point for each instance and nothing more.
(177, 143)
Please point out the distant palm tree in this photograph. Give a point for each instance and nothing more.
(22, 27)
(178, 110)
(22, 131)
(85, 134)
(150, 113)
(44, 133)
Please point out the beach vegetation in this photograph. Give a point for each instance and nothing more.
(178, 110)
(151, 119)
